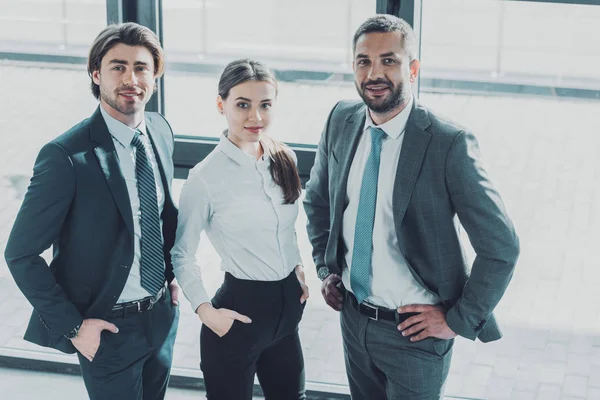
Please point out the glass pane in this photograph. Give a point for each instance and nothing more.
(40, 101)
(524, 77)
(307, 43)
(59, 27)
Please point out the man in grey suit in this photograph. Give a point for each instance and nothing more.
(100, 196)
(389, 179)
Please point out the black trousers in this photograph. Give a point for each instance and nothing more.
(268, 347)
(135, 363)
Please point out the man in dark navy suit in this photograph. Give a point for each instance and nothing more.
(100, 195)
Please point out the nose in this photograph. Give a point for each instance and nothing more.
(375, 72)
(254, 115)
(130, 79)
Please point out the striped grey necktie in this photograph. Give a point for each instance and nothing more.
(152, 259)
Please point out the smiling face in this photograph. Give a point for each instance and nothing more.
(247, 109)
(383, 72)
(126, 79)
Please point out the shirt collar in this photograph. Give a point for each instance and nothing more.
(234, 152)
(121, 132)
(395, 126)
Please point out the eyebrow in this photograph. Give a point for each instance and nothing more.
(250, 101)
(125, 62)
(388, 54)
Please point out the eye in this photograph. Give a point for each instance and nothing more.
(362, 62)
(389, 61)
(118, 68)
(243, 105)
(266, 106)
(142, 68)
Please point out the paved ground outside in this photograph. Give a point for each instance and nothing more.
(542, 153)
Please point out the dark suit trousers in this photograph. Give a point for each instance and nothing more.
(382, 364)
(268, 347)
(135, 363)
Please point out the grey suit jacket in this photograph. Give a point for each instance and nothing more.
(78, 203)
(439, 177)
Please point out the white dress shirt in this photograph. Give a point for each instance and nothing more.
(393, 284)
(122, 135)
(232, 197)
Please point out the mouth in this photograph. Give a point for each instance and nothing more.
(130, 95)
(376, 90)
(253, 129)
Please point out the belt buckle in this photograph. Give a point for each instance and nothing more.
(139, 305)
(372, 308)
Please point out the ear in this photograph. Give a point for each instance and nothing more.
(96, 77)
(415, 67)
(220, 104)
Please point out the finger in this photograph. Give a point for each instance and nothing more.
(110, 327)
(334, 302)
(304, 296)
(411, 321)
(240, 317)
(174, 295)
(420, 336)
(414, 329)
(337, 293)
(418, 308)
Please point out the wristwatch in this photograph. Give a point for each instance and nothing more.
(72, 334)
(323, 272)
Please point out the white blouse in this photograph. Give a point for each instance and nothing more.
(232, 196)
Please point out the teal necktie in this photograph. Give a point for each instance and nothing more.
(361, 271)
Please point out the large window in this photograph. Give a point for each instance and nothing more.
(524, 78)
(308, 44)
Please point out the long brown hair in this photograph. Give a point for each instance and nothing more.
(283, 168)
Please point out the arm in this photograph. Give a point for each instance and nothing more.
(492, 235)
(194, 213)
(316, 199)
(38, 225)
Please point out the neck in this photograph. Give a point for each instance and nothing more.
(251, 148)
(382, 118)
(132, 120)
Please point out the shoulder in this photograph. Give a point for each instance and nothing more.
(74, 139)
(158, 120)
(442, 126)
(347, 107)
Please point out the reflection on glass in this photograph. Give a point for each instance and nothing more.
(308, 43)
(50, 27)
(482, 62)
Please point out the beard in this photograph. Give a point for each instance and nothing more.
(383, 105)
(124, 108)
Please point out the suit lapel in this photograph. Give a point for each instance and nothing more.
(414, 147)
(109, 163)
(163, 159)
(346, 149)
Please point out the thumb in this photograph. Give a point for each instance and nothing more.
(241, 318)
(110, 327)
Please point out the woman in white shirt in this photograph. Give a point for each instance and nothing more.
(244, 195)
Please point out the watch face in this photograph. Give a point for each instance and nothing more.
(323, 272)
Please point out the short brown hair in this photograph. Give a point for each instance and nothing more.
(130, 34)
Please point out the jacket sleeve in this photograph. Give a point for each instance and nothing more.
(316, 199)
(38, 225)
(491, 233)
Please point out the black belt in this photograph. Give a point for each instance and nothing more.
(137, 306)
(376, 313)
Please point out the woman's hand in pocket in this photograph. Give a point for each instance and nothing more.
(219, 320)
(301, 279)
